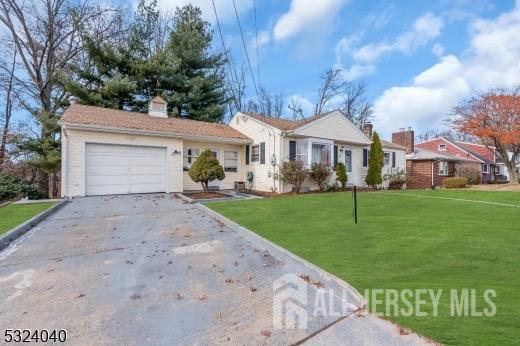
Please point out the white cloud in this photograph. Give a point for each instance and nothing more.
(425, 28)
(438, 49)
(491, 60)
(358, 71)
(225, 10)
(306, 15)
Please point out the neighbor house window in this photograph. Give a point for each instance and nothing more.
(321, 153)
(255, 153)
(188, 158)
(443, 168)
(442, 147)
(301, 152)
(348, 160)
(386, 159)
(485, 168)
(231, 161)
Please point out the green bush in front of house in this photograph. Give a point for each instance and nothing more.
(396, 179)
(320, 173)
(205, 169)
(375, 162)
(455, 182)
(472, 174)
(294, 173)
(341, 174)
(12, 187)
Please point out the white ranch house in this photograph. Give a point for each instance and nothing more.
(107, 151)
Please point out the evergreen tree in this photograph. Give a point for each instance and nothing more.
(375, 162)
(200, 92)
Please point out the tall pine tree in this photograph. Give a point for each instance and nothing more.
(375, 162)
(185, 72)
(200, 93)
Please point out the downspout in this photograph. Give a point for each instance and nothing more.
(64, 159)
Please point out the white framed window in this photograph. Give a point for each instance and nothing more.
(442, 147)
(301, 152)
(255, 153)
(443, 168)
(189, 156)
(321, 153)
(485, 168)
(386, 160)
(230, 161)
(348, 160)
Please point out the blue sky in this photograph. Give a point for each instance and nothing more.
(419, 58)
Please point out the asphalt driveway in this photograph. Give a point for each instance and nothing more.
(151, 269)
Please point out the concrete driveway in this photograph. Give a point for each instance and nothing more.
(151, 269)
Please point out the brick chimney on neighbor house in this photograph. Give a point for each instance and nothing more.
(157, 108)
(405, 138)
(368, 129)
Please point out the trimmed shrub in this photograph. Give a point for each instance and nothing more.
(473, 175)
(333, 187)
(293, 172)
(320, 174)
(455, 182)
(396, 179)
(12, 187)
(375, 162)
(341, 174)
(205, 169)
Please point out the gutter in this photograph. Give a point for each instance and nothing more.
(123, 130)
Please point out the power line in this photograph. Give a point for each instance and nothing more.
(257, 49)
(245, 48)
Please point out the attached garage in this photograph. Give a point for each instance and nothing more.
(112, 152)
(121, 169)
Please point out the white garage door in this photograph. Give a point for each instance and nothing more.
(122, 169)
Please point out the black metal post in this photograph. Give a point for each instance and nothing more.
(355, 204)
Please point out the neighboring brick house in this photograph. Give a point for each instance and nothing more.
(484, 158)
(427, 168)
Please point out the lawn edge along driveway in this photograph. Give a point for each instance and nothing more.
(8, 236)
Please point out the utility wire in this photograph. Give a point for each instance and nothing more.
(257, 49)
(245, 48)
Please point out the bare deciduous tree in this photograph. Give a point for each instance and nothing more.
(333, 85)
(8, 86)
(296, 108)
(355, 106)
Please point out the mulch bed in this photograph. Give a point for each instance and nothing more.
(205, 195)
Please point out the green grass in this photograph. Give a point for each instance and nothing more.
(404, 241)
(15, 214)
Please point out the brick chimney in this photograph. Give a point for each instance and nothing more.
(405, 138)
(157, 108)
(368, 129)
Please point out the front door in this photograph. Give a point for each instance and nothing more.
(348, 165)
(214, 184)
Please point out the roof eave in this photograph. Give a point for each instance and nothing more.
(102, 128)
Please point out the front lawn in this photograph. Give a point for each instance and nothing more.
(16, 214)
(406, 240)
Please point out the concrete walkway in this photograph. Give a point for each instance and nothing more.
(151, 269)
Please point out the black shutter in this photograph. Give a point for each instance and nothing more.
(365, 157)
(189, 155)
(292, 150)
(247, 154)
(335, 156)
(393, 158)
(262, 153)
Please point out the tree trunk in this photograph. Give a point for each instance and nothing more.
(3, 145)
(513, 175)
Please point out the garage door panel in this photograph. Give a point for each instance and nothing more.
(102, 170)
(118, 169)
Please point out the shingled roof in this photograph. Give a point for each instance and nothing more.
(284, 124)
(391, 145)
(100, 117)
